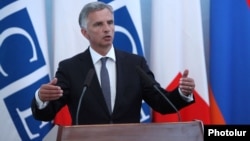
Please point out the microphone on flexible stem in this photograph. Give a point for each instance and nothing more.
(150, 81)
(85, 86)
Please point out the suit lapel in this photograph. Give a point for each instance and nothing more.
(120, 67)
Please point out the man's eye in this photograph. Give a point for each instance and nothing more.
(111, 22)
(98, 24)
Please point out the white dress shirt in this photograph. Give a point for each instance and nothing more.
(111, 66)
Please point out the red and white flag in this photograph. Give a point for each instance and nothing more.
(177, 44)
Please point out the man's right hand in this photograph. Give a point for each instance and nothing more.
(50, 91)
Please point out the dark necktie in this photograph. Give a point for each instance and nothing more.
(105, 83)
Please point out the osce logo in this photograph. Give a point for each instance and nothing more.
(20, 60)
(126, 35)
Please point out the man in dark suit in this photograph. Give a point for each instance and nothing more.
(127, 87)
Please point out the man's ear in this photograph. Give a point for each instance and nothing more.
(84, 33)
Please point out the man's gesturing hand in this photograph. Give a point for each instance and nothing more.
(186, 84)
(50, 91)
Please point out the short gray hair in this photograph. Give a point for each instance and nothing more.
(91, 7)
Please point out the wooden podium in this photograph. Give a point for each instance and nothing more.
(177, 131)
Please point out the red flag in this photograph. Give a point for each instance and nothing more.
(177, 44)
(63, 117)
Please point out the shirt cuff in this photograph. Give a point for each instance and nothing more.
(188, 98)
(40, 104)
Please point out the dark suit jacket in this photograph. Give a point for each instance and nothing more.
(130, 91)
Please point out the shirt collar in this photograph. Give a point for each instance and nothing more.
(96, 56)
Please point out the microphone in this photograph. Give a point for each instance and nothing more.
(154, 84)
(85, 86)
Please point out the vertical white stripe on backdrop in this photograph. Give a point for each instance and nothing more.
(67, 38)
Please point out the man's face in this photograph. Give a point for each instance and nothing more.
(100, 28)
